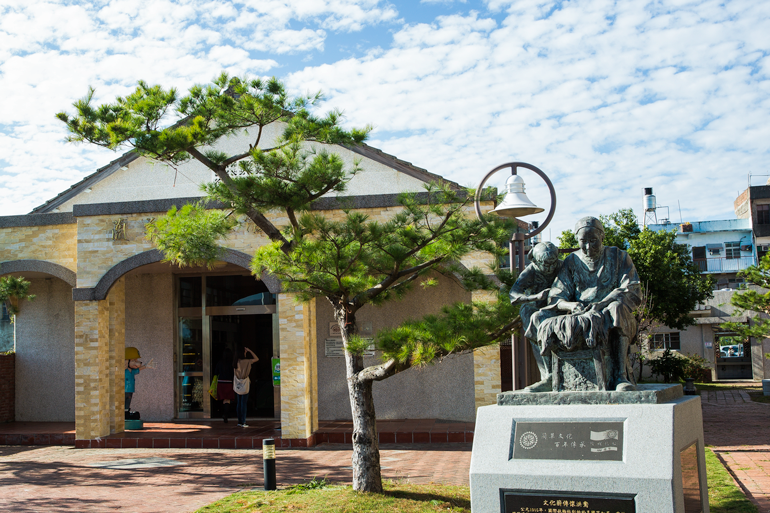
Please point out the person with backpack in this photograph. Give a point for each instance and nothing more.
(241, 369)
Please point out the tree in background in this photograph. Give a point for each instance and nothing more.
(352, 262)
(753, 301)
(13, 289)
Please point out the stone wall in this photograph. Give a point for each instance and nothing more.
(444, 390)
(45, 360)
(55, 243)
(299, 383)
(149, 326)
(7, 387)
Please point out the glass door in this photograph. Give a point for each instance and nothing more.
(256, 333)
(215, 313)
(191, 385)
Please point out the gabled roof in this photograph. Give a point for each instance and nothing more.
(362, 149)
(86, 182)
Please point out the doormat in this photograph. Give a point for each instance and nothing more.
(136, 463)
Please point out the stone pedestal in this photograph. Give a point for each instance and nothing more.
(580, 452)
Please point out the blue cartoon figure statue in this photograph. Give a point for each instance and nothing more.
(132, 367)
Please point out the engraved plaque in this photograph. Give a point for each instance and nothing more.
(334, 348)
(691, 479)
(567, 502)
(601, 441)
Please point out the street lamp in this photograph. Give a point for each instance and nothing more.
(517, 204)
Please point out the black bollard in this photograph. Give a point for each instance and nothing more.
(268, 463)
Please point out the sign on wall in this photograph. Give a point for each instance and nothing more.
(275, 364)
(335, 348)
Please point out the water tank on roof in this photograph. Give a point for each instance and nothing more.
(649, 199)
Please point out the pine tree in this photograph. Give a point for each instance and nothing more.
(753, 301)
(352, 262)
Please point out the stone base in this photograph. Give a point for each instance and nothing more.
(644, 394)
(620, 457)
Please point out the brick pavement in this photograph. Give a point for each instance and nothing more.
(738, 430)
(58, 478)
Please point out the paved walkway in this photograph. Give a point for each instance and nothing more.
(738, 429)
(60, 478)
(52, 478)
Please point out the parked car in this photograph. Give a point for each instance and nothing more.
(733, 351)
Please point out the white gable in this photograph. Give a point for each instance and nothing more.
(145, 179)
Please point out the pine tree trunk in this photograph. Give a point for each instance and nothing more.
(366, 450)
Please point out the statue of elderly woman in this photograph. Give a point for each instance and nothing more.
(582, 333)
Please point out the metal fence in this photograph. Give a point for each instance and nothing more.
(724, 265)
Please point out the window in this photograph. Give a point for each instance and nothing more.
(762, 251)
(763, 214)
(661, 341)
(732, 250)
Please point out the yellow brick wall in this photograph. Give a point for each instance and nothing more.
(54, 243)
(91, 362)
(299, 393)
(98, 252)
(99, 360)
(486, 366)
(311, 367)
(117, 338)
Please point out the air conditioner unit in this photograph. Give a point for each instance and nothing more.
(746, 247)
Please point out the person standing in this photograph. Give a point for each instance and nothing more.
(242, 368)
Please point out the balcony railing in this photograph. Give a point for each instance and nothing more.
(724, 265)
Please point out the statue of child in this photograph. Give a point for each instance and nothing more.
(531, 289)
(133, 366)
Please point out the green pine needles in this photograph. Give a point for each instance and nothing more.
(346, 257)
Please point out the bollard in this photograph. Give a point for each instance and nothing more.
(268, 462)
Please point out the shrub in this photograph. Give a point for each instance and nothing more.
(675, 366)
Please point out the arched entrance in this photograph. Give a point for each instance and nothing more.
(184, 319)
(43, 339)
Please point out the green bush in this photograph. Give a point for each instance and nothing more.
(669, 365)
(675, 366)
(695, 366)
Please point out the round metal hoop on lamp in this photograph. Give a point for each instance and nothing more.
(513, 166)
(521, 205)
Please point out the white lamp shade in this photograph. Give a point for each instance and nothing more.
(516, 203)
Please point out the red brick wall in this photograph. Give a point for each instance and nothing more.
(7, 387)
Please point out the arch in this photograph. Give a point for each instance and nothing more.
(152, 256)
(40, 266)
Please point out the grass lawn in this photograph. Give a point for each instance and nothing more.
(319, 496)
(325, 498)
(724, 495)
(724, 386)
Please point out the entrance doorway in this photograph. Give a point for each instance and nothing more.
(732, 356)
(256, 333)
(215, 313)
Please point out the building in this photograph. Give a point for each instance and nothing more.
(102, 286)
(722, 249)
(719, 248)
(753, 204)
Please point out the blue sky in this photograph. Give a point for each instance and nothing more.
(605, 97)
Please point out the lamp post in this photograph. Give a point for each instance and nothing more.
(514, 205)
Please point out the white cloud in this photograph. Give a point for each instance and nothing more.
(606, 97)
(52, 51)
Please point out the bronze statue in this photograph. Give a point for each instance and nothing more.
(588, 322)
(531, 289)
